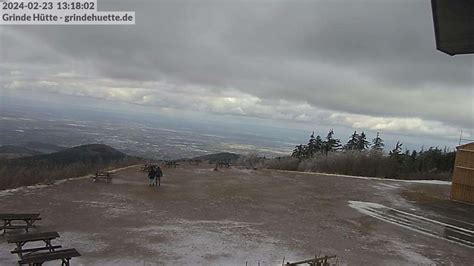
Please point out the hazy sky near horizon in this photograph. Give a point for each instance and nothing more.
(360, 65)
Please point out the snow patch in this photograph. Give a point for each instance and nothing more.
(214, 243)
(432, 182)
(7, 192)
(85, 243)
(123, 168)
(410, 255)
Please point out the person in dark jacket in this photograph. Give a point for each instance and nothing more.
(151, 176)
(158, 175)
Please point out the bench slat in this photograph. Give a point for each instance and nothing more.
(33, 237)
(13, 227)
(18, 216)
(34, 249)
(55, 255)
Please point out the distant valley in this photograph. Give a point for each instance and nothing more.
(150, 137)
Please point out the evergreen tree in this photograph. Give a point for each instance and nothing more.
(314, 145)
(331, 143)
(299, 152)
(377, 143)
(396, 152)
(319, 143)
(352, 143)
(362, 143)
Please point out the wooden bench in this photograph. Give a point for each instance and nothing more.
(106, 176)
(195, 162)
(317, 261)
(29, 251)
(9, 218)
(22, 240)
(171, 164)
(223, 164)
(64, 255)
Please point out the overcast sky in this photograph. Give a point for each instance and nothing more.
(363, 65)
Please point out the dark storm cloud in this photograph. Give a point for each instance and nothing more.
(372, 58)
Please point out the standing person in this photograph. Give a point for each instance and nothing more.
(158, 175)
(151, 176)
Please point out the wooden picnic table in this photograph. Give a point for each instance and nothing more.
(64, 255)
(171, 164)
(106, 176)
(22, 240)
(8, 218)
(195, 162)
(223, 164)
(148, 167)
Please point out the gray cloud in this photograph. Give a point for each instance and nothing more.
(281, 60)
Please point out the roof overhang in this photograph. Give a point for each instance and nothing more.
(454, 26)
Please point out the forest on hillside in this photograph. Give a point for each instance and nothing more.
(68, 163)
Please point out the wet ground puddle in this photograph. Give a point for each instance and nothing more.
(462, 233)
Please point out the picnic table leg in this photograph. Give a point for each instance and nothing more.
(48, 244)
(6, 224)
(29, 223)
(19, 247)
(65, 262)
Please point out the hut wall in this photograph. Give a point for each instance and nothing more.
(462, 188)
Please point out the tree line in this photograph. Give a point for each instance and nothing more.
(317, 145)
(432, 162)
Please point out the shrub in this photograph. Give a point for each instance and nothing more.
(283, 163)
(352, 163)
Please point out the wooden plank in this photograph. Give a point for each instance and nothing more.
(466, 150)
(312, 261)
(465, 168)
(465, 159)
(28, 250)
(13, 227)
(463, 175)
(19, 216)
(33, 237)
(462, 193)
(55, 255)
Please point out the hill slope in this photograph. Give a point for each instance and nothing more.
(43, 147)
(90, 153)
(13, 151)
(27, 149)
(67, 163)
